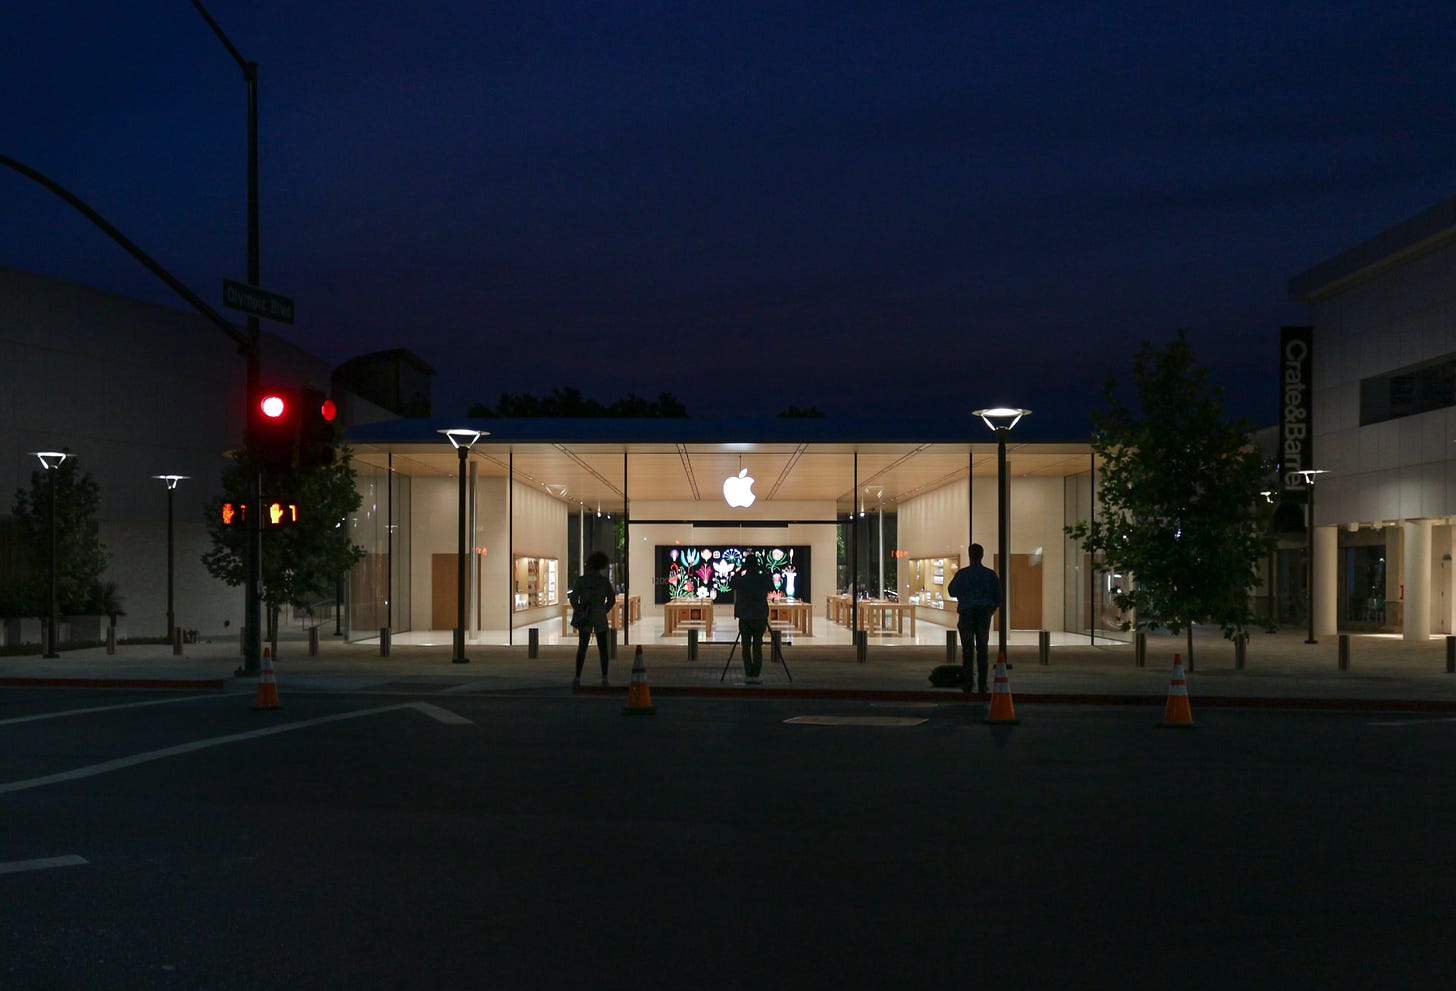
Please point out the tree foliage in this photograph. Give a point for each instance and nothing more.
(569, 402)
(1180, 513)
(81, 558)
(301, 563)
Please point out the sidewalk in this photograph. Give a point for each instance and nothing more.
(1385, 672)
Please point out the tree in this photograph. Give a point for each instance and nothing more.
(302, 563)
(1179, 491)
(569, 402)
(81, 557)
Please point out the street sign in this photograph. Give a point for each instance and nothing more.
(259, 302)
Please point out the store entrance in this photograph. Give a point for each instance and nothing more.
(444, 589)
(1024, 592)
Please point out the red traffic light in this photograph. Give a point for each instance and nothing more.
(273, 405)
(328, 410)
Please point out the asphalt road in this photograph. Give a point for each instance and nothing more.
(470, 841)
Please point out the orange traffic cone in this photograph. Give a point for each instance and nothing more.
(1177, 711)
(267, 687)
(639, 696)
(1002, 711)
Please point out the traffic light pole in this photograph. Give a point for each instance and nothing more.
(253, 580)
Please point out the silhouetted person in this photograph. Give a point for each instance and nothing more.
(592, 598)
(751, 588)
(977, 592)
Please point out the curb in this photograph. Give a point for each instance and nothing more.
(174, 684)
(1070, 698)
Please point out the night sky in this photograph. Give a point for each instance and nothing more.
(872, 208)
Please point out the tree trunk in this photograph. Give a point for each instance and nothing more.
(1189, 665)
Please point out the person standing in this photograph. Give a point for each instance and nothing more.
(592, 598)
(751, 588)
(977, 592)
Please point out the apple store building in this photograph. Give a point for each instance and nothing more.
(862, 524)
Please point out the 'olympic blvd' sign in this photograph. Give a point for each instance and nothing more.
(258, 302)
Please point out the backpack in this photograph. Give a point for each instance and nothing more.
(948, 676)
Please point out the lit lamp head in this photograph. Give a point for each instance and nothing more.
(171, 480)
(1309, 475)
(463, 438)
(1001, 417)
(51, 459)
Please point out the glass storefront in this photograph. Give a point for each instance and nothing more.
(876, 529)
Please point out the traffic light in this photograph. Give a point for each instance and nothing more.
(317, 430)
(273, 433)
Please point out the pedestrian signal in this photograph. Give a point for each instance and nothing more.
(276, 514)
(234, 513)
(281, 514)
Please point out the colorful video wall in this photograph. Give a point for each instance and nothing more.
(706, 571)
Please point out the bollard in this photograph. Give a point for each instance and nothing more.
(692, 645)
(243, 642)
(177, 641)
(1241, 650)
(1344, 651)
(1044, 646)
(111, 639)
(533, 642)
(950, 648)
(313, 641)
(1140, 649)
(1451, 655)
(861, 645)
(384, 641)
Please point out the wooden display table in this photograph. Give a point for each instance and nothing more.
(634, 613)
(836, 609)
(796, 615)
(882, 616)
(680, 615)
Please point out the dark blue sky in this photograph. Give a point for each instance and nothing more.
(904, 207)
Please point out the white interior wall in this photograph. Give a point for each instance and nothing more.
(821, 538)
(934, 524)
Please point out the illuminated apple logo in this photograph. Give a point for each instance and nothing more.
(738, 489)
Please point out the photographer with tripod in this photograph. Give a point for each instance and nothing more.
(751, 588)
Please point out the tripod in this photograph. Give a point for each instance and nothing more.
(777, 654)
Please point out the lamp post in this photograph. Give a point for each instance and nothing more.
(1001, 419)
(1308, 474)
(171, 481)
(51, 462)
(462, 438)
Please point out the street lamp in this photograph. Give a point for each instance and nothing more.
(1001, 419)
(171, 481)
(1308, 474)
(462, 438)
(51, 462)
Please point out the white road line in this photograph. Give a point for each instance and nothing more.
(41, 864)
(443, 715)
(1419, 722)
(108, 708)
(122, 763)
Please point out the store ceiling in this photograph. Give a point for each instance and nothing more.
(594, 473)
